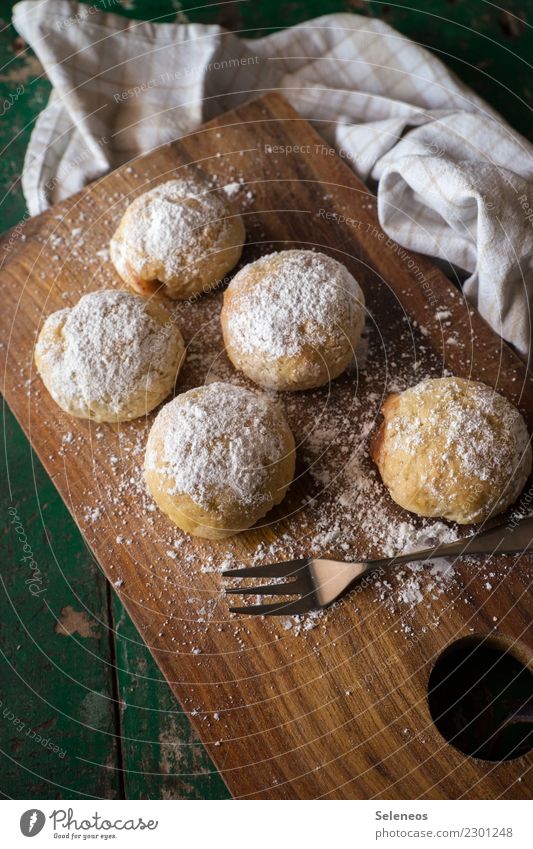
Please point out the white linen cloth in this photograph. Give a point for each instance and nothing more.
(453, 179)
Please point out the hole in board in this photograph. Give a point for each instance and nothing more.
(480, 697)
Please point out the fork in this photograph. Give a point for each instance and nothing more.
(317, 583)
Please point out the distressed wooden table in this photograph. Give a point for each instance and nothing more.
(71, 659)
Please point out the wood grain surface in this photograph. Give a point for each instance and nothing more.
(335, 707)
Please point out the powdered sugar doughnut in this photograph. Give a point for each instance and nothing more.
(292, 319)
(112, 357)
(453, 448)
(182, 233)
(218, 458)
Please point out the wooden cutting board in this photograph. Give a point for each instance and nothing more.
(333, 706)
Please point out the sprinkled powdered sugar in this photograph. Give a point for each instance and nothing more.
(403, 599)
(482, 428)
(301, 299)
(347, 514)
(106, 348)
(167, 222)
(217, 438)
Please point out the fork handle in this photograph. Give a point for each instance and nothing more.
(515, 536)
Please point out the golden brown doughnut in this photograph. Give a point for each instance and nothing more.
(183, 234)
(453, 448)
(291, 320)
(112, 357)
(218, 458)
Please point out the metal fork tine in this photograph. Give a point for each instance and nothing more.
(273, 570)
(289, 588)
(290, 608)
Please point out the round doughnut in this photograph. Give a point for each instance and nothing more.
(110, 358)
(183, 234)
(218, 458)
(291, 320)
(452, 448)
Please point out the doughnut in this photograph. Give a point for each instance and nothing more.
(112, 357)
(218, 458)
(452, 448)
(182, 237)
(291, 320)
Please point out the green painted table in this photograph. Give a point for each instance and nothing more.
(84, 711)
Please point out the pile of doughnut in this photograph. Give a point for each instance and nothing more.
(219, 456)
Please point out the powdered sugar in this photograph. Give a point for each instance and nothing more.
(232, 189)
(302, 297)
(164, 225)
(105, 349)
(217, 438)
(461, 425)
(342, 509)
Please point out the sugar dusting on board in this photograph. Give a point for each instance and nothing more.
(343, 498)
(342, 510)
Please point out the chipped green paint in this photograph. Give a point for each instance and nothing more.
(162, 757)
(47, 674)
(84, 710)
